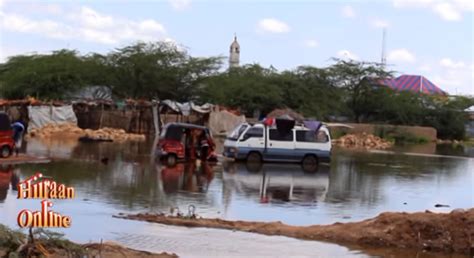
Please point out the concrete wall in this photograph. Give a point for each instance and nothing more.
(429, 133)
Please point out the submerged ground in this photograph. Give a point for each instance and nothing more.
(355, 186)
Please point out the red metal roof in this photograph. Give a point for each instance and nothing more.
(414, 83)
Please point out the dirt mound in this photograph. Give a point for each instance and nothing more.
(452, 233)
(68, 130)
(367, 141)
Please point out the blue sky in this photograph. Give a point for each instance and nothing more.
(433, 38)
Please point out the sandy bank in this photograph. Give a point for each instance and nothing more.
(23, 159)
(365, 141)
(450, 233)
(68, 130)
(52, 245)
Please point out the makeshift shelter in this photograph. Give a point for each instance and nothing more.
(186, 108)
(413, 83)
(40, 116)
(92, 93)
(184, 112)
(222, 122)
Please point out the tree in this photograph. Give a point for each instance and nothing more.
(159, 70)
(309, 90)
(353, 77)
(42, 76)
(447, 116)
(250, 88)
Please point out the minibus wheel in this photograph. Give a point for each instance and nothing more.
(310, 163)
(254, 157)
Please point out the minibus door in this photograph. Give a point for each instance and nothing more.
(280, 147)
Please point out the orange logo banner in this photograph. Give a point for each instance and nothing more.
(37, 187)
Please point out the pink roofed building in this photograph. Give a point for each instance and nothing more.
(413, 83)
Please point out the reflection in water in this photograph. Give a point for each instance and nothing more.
(187, 177)
(7, 178)
(276, 182)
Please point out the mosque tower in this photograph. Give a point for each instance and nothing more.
(234, 56)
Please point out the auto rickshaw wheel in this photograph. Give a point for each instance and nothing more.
(6, 151)
(171, 159)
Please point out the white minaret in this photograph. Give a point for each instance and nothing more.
(234, 56)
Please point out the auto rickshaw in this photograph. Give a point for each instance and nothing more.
(6, 136)
(181, 141)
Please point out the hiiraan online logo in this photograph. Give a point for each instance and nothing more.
(37, 187)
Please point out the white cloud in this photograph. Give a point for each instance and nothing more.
(467, 5)
(348, 12)
(150, 25)
(91, 18)
(453, 76)
(180, 4)
(455, 83)
(85, 24)
(273, 26)
(346, 54)
(50, 28)
(425, 68)
(411, 3)
(379, 23)
(311, 43)
(401, 55)
(446, 82)
(448, 63)
(49, 8)
(449, 10)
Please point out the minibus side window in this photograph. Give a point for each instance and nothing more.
(322, 136)
(275, 135)
(305, 136)
(311, 136)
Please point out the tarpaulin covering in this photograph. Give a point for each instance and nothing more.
(312, 125)
(92, 93)
(40, 116)
(414, 83)
(186, 108)
(284, 126)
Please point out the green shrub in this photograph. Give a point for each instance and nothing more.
(398, 136)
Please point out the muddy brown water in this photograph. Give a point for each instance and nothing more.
(356, 185)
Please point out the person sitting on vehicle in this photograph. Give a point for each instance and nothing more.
(18, 130)
(193, 143)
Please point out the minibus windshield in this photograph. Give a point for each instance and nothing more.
(237, 132)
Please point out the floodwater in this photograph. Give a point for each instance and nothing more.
(355, 186)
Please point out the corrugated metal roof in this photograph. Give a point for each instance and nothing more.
(414, 83)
